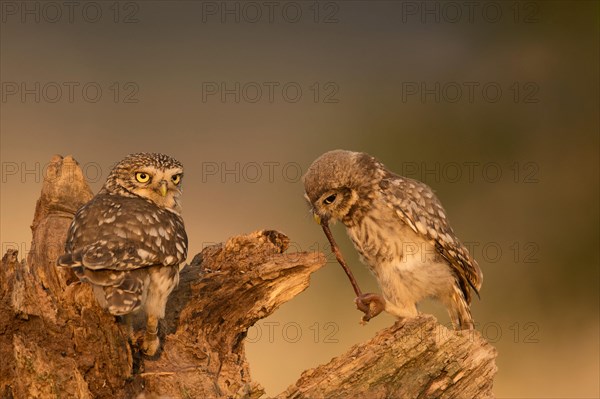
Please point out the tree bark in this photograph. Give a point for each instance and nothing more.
(55, 341)
(414, 358)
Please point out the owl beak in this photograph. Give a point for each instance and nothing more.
(163, 188)
(317, 218)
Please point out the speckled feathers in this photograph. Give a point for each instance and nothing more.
(400, 229)
(130, 238)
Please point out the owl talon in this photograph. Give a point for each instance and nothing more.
(151, 344)
(370, 304)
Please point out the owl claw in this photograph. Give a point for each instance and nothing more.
(150, 344)
(370, 304)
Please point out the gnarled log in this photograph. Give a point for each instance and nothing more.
(414, 358)
(55, 341)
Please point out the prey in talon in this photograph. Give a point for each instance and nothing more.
(401, 232)
(364, 302)
(370, 304)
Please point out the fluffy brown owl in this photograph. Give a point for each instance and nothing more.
(401, 231)
(129, 240)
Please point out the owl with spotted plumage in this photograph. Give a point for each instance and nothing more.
(129, 240)
(401, 232)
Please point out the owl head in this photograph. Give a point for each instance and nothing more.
(339, 181)
(156, 177)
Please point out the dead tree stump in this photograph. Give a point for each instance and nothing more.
(55, 341)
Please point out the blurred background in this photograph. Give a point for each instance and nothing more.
(493, 104)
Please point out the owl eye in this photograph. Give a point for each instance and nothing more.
(329, 199)
(142, 177)
(176, 179)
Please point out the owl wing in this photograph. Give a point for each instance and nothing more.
(119, 233)
(113, 239)
(122, 289)
(416, 205)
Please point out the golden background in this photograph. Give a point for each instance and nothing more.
(494, 105)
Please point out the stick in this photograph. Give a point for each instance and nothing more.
(340, 259)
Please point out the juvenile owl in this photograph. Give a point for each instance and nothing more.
(129, 240)
(401, 231)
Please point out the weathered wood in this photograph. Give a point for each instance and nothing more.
(414, 358)
(55, 341)
(225, 290)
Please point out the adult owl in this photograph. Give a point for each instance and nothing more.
(129, 240)
(401, 231)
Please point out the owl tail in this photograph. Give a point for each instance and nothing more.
(126, 297)
(459, 311)
(122, 290)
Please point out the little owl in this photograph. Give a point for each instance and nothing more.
(129, 240)
(401, 231)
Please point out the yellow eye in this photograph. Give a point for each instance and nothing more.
(176, 179)
(142, 177)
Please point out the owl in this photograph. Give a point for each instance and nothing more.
(129, 240)
(401, 232)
